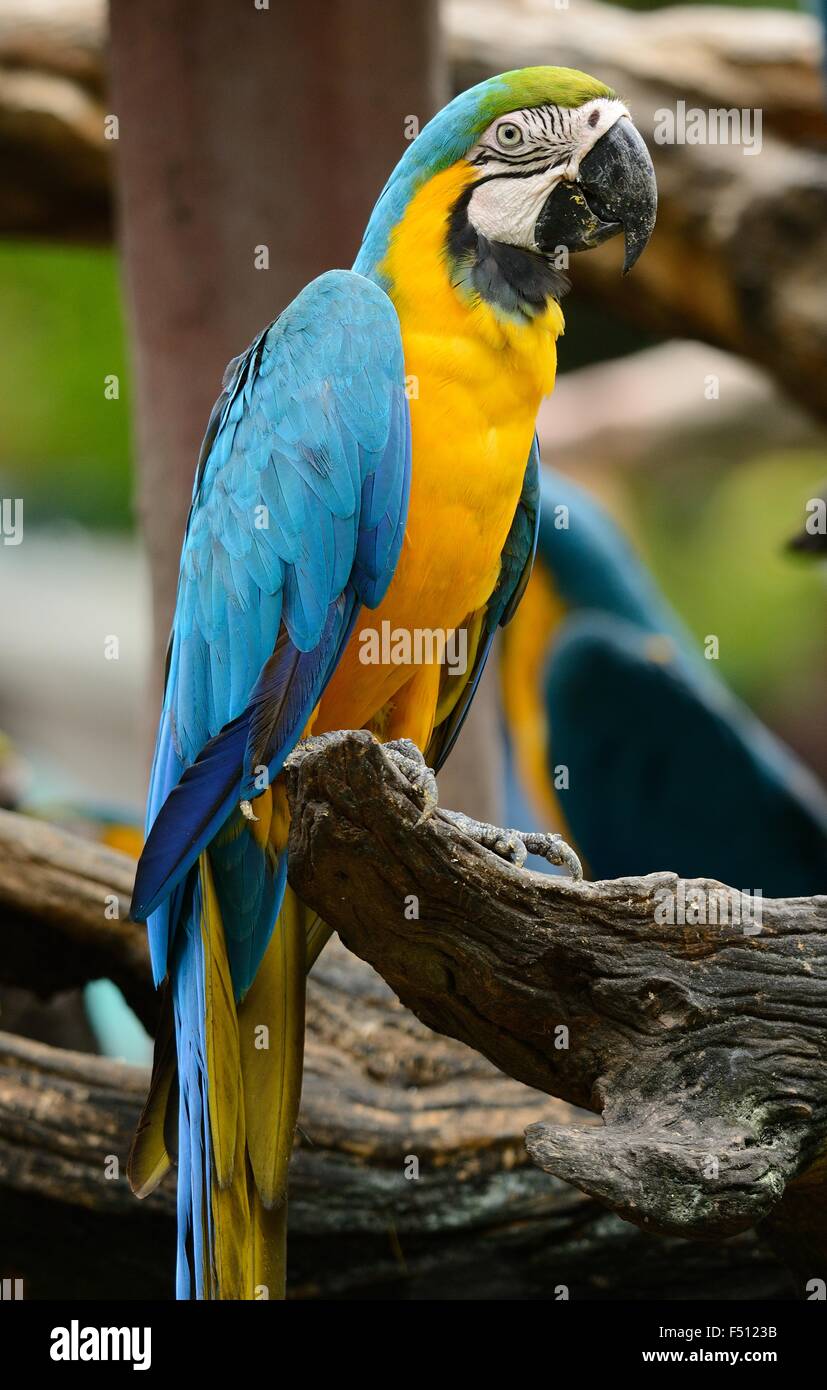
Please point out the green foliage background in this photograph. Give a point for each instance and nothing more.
(63, 445)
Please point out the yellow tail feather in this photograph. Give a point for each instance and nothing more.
(254, 1054)
(221, 1031)
(231, 1272)
(269, 1247)
(271, 1035)
(149, 1157)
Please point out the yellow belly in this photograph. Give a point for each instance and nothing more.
(467, 476)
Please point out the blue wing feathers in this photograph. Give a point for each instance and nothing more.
(299, 508)
(286, 691)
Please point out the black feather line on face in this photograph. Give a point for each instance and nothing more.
(512, 279)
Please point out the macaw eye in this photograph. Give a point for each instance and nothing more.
(509, 135)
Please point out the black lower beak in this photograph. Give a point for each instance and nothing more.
(615, 191)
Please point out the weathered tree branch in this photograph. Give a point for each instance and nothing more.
(600, 420)
(57, 164)
(379, 1088)
(64, 907)
(702, 1046)
(479, 1222)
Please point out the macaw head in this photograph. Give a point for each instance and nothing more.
(563, 165)
(550, 159)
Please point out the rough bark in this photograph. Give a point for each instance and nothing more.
(480, 1221)
(58, 894)
(380, 1090)
(700, 1045)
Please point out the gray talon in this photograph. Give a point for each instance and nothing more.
(512, 845)
(407, 749)
(556, 851)
(405, 755)
(516, 845)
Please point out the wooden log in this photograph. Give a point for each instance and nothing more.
(56, 159)
(700, 1044)
(599, 419)
(381, 1091)
(64, 905)
(479, 1221)
(709, 1033)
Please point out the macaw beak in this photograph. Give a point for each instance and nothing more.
(615, 190)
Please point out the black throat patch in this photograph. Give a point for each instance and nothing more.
(519, 283)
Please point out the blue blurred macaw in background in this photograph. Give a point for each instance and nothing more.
(622, 736)
(373, 450)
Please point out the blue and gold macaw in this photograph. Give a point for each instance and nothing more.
(371, 460)
(622, 736)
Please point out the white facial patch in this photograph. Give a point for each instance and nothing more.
(524, 155)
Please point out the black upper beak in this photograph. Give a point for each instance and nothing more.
(615, 191)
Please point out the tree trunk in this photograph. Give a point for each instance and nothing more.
(248, 137)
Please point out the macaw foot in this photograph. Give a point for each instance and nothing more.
(405, 755)
(516, 845)
(512, 845)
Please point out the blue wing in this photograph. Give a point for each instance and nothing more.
(517, 560)
(668, 770)
(298, 513)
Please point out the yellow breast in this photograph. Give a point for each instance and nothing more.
(475, 382)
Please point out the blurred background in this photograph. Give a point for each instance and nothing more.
(710, 489)
(151, 151)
